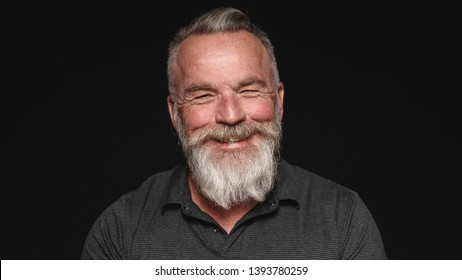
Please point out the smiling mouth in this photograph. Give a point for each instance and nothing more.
(230, 140)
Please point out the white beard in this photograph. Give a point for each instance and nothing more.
(229, 178)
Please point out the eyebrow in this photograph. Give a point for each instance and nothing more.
(253, 81)
(198, 87)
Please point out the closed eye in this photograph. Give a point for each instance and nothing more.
(250, 92)
(202, 97)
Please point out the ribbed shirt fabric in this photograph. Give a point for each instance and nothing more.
(305, 216)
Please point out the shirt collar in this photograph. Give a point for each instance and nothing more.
(285, 191)
(177, 189)
(285, 187)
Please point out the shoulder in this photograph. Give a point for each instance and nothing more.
(327, 204)
(309, 187)
(111, 234)
(155, 190)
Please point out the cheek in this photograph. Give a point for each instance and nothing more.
(195, 117)
(261, 110)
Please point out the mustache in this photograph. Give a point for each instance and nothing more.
(227, 133)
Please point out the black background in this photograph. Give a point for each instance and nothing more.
(371, 102)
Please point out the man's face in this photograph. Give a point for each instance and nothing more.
(226, 116)
(225, 79)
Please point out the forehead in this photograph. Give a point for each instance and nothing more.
(239, 40)
(222, 56)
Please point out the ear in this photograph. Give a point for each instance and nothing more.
(171, 105)
(281, 100)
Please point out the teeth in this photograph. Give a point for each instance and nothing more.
(230, 139)
(233, 140)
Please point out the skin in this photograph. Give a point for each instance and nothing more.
(224, 78)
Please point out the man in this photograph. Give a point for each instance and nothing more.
(235, 198)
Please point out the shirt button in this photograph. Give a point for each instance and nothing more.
(272, 203)
(215, 230)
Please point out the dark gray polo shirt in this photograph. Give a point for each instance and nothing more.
(304, 217)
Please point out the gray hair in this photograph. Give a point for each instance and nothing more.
(216, 21)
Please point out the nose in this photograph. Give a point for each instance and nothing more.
(229, 109)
